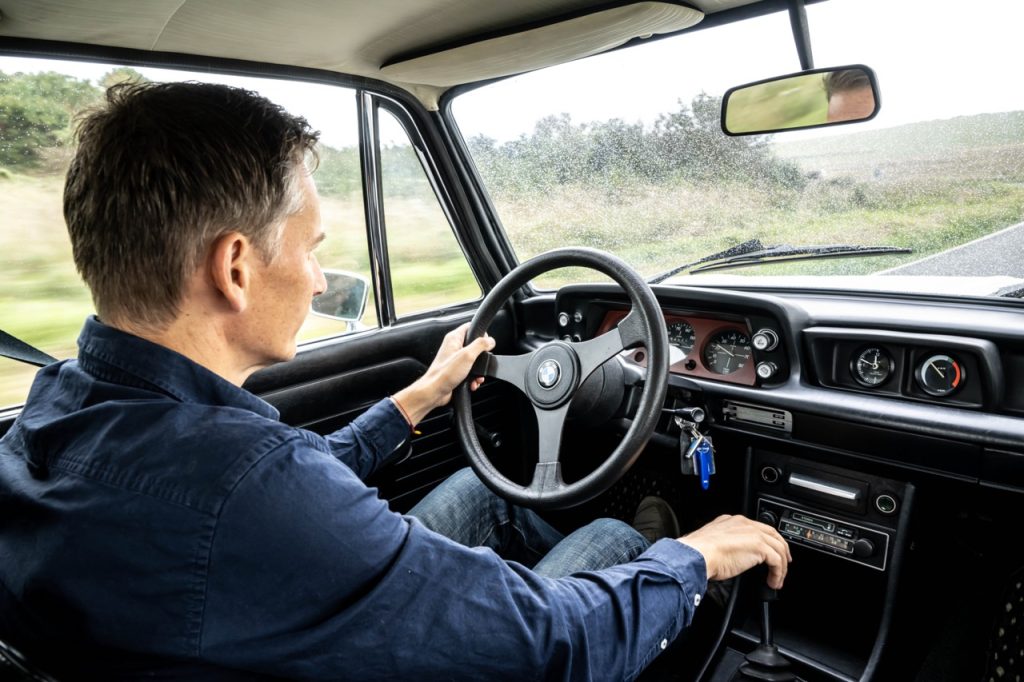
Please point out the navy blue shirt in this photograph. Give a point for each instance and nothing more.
(156, 518)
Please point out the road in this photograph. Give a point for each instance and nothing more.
(999, 253)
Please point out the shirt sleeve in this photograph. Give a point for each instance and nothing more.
(311, 576)
(371, 440)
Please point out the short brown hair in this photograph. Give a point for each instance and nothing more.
(164, 169)
(845, 81)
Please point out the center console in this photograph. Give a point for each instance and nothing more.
(846, 531)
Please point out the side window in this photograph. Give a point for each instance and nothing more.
(428, 267)
(43, 301)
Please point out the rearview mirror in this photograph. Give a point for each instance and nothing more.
(345, 296)
(809, 99)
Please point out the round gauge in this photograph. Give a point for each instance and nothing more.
(727, 352)
(681, 335)
(940, 375)
(871, 367)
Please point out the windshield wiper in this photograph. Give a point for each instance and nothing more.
(753, 252)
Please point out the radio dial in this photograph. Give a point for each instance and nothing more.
(863, 548)
(769, 519)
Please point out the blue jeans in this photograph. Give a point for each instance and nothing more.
(465, 510)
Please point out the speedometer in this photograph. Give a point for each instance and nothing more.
(681, 335)
(727, 352)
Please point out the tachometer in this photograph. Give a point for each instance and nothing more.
(727, 351)
(940, 375)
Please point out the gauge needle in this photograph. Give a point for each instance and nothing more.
(723, 348)
(935, 367)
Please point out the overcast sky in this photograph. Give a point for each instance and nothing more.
(934, 59)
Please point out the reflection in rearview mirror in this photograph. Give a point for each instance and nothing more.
(345, 296)
(809, 99)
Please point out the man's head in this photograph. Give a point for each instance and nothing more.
(850, 95)
(161, 172)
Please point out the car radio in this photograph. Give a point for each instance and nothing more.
(841, 538)
(852, 515)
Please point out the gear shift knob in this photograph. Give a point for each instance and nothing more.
(765, 662)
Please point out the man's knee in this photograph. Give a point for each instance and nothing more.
(615, 536)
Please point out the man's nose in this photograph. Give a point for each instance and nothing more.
(321, 281)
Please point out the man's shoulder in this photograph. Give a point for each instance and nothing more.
(183, 453)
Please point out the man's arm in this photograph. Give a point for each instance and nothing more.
(376, 435)
(310, 575)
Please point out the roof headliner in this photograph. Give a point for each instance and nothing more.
(345, 36)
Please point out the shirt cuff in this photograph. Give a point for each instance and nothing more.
(385, 426)
(684, 563)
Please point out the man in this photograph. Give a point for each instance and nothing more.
(160, 520)
(849, 94)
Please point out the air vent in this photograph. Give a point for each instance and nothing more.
(758, 415)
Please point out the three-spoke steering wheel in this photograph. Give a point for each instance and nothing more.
(550, 376)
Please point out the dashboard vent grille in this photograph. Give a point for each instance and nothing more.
(758, 415)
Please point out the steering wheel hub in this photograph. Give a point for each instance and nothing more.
(552, 375)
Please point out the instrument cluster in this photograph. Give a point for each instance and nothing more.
(714, 348)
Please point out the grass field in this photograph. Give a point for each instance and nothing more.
(942, 184)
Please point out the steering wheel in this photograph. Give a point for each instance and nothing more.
(551, 375)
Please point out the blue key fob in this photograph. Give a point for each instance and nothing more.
(705, 465)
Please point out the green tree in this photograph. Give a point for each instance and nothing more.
(122, 74)
(686, 144)
(36, 114)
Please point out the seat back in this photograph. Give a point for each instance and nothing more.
(14, 667)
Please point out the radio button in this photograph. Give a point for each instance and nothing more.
(846, 533)
(863, 548)
(885, 504)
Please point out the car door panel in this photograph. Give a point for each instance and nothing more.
(329, 384)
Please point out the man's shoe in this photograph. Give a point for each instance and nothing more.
(655, 519)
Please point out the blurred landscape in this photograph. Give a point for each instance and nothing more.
(657, 196)
(659, 204)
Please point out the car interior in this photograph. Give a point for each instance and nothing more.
(881, 432)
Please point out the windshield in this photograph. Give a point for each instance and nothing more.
(624, 152)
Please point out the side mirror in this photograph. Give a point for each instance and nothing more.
(809, 99)
(345, 297)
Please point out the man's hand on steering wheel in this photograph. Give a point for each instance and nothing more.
(450, 368)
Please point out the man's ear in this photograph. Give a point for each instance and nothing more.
(230, 269)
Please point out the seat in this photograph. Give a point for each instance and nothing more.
(14, 667)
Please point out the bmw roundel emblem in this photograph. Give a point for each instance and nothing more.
(548, 373)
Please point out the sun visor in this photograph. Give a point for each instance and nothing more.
(534, 48)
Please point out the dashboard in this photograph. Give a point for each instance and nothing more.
(881, 424)
(932, 385)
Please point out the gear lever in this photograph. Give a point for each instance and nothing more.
(765, 662)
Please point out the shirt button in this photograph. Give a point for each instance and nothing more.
(696, 600)
(664, 644)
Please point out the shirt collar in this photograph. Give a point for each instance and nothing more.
(118, 356)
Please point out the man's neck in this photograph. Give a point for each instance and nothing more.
(202, 342)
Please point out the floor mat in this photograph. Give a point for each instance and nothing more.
(1006, 648)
